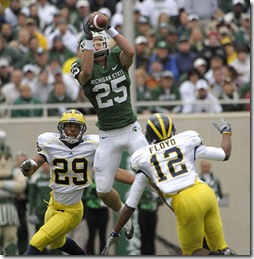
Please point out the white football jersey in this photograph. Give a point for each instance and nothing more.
(69, 167)
(169, 163)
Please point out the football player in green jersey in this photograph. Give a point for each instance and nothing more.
(104, 76)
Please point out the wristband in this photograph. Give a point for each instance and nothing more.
(227, 132)
(89, 44)
(114, 234)
(112, 32)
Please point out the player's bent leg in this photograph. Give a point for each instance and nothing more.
(59, 220)
(111, 199)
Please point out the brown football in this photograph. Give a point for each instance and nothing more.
(99, 21)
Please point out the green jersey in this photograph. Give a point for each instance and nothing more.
(108, 90)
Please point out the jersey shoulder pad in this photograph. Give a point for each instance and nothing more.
(134, 160)
(116, 49)
(192, 135)
(76, 68)
(92, 138)
(45, 138)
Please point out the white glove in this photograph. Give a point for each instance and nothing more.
(27, 165)
(113, 239)
(223, 126)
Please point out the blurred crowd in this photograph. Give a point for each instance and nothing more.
(192, 52)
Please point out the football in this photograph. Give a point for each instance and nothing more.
(99, 21)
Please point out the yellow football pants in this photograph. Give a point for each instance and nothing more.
(197, 215)
(59, 220)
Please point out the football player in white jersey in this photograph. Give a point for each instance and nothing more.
(169, 162)
(70, 155)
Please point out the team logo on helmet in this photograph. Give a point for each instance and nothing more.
(159, 127)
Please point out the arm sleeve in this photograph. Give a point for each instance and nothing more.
(137, 189)
(211, 153)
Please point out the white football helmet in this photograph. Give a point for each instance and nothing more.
(104, 41)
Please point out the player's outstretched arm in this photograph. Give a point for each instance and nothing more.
(124, 176)
(127, 54)
(225, 129)
(30, 166)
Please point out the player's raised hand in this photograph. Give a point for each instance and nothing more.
(87, 28)
(223, 126)
(113, 239)
(26, 166)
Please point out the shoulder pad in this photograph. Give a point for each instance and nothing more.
(116, 49)
(76, 68)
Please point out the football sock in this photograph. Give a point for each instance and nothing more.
(70, 247)
(31, 250)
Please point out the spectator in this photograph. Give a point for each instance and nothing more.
(215, 62)
(29, 56)
(147, 216)
(34, 31)
(143, 92)
(205, 12)
(242, 65)
(23, 41)
(217, 87)
(59, 51)
(154, 80)
(30, 76)
(144, 26)
(70, 40)
(197, 40)
(208, 176)
(11, 12)
(71, 85)
(43, 87)
(182, 24)
(11, 89)
(172, 39)
(201, 65)
(229, 92)
(9, 53)
(236, 13)
(185, 56)
(7, 32)
(142, 52)
(187, 90)
(243, 35)
(167, 91)
(97, 218)
(22, 23)
(41, 59)
(83, 10)
(5, 72)
(206, 101)
(46, 12)
(168, 61)
(26, 98)
(230, 51)
(213, 47)
(152, 9)
(58, 95)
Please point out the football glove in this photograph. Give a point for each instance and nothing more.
(113, 239)
(27, 165)
(223, 126)
(87, 28)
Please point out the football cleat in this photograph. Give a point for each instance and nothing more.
(227, 251)
(128, 231)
